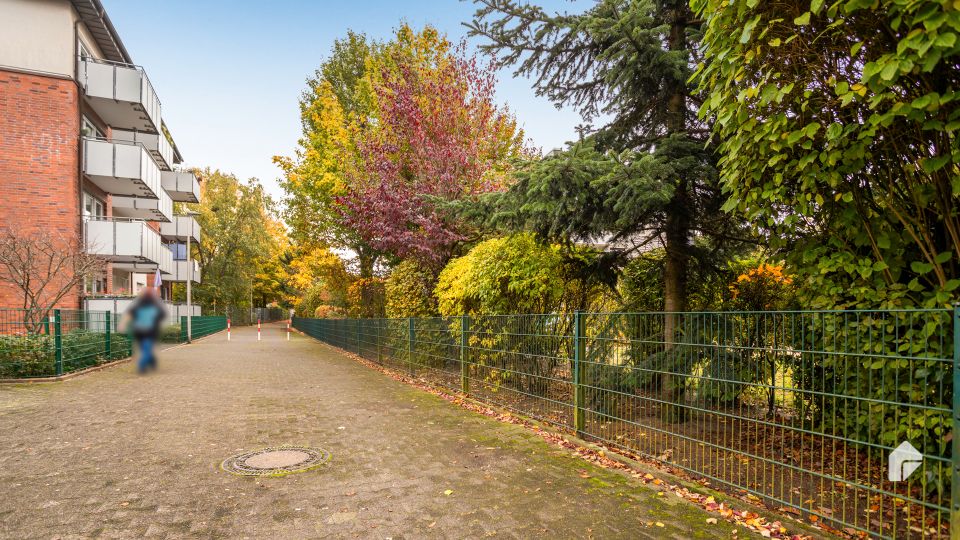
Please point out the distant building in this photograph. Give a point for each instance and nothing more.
(84, 150)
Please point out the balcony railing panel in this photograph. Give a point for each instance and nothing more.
(160, 209)
(156, 144)
(121, 168)
(183, 186)
(180, 228)
(121, 94)
(130, 245)
(182, 271)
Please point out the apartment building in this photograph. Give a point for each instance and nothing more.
(84, 151)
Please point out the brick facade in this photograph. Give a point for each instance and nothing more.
(39, 161)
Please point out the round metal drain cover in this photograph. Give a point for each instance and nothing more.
(276, 461)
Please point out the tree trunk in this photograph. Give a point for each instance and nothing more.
(367, 260)
(677, 239)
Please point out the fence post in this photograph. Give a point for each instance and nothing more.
(464, 366)
(955, 493)
(411, 337)
(57, 343)
(579, 354)
(359, 353)
(107, 343)
(379, 349)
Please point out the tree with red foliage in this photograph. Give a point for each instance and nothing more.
(438, 136)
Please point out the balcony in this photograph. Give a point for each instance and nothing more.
(129, 244)
(176, 311)
(180, 228)
(121, 94)
(121, 305)
(121, 168)
(182, 186)
(157, 144)
(160, 209)
(184, 271)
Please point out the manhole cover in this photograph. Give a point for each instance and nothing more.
(276, 461)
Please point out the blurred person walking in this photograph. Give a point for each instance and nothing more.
(145, 316)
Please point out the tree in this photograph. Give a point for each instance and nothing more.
(239, 237)
(45, 266)
(839, 128)
(337, 103)
(318, 278)
(440, 136)
(513, 274)
(389, 129)
(409, 291)
(648, 174)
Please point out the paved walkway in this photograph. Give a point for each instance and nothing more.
(116, 455)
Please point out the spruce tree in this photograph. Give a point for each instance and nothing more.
(648, 170)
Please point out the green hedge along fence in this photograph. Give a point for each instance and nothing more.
(800, 409)
(34, 345)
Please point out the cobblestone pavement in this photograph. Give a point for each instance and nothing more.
(117, 455)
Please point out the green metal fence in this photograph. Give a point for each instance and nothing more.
(799, 409)
(51, 344)
(200, 326)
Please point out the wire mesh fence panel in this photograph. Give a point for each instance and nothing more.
(524, 363)
(26, 344)
(435, 354)
(203, 325)
(807, 411)
(90, 338)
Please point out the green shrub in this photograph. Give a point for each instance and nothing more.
(26, 356)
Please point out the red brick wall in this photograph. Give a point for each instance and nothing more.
(39, 161)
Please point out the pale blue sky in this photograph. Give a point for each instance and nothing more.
(229, 72)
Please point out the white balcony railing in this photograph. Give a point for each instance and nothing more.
(183, 186)
(130, 245)
(185, 270)
(176, 311)
(160, 209)
(155, 143)
(180, 228)
(121, 305)
(121, 94)
(121, 168)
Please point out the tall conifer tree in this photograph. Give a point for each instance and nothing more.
(647, 171)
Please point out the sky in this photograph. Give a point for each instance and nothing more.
(229, 72)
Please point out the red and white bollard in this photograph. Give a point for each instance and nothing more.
(228, 329)
(258, 329)
(288, 329)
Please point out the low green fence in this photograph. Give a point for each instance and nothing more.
(799, 409)
(47, 345)
(200, 326)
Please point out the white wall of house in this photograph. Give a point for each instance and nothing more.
(47, 44)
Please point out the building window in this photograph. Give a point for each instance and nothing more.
(89, 129)
(179, 251)
(83, 50)
(93, 208)
(95, 285)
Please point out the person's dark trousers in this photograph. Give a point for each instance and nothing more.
(147, 360)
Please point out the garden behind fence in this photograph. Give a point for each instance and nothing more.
(799, 409)
(49, 344)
